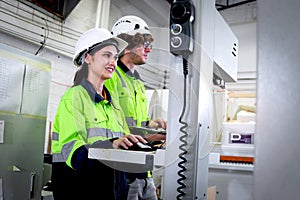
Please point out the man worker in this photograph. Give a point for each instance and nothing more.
(128, 87)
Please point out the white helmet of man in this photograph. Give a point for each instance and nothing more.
(130, 25)
(93, 38)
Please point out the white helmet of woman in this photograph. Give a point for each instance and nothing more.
(130, 25)
(93, 38)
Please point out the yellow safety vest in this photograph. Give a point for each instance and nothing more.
(83, 118)
(132, 97)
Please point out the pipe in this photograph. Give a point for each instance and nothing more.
(102, 13)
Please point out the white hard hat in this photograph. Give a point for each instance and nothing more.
(130, 25)
(93, 38)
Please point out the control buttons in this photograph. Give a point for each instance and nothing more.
(176, 29)
(176, 41)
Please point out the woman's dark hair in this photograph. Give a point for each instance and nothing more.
(80, 74)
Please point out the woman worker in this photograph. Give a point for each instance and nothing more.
(87, 117)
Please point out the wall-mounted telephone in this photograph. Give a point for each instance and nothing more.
(182, 15)
(181, 27)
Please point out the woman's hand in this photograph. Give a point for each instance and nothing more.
(127, 141)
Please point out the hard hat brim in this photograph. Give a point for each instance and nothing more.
(121, 45)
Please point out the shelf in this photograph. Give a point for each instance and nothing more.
(126, 160)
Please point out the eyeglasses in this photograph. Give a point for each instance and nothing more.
(147, 45)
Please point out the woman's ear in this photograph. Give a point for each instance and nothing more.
(88, 58)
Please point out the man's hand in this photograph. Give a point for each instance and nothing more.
(157, 123)
(155, 137)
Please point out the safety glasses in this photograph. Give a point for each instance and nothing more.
(147, 45)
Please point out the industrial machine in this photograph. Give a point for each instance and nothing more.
(188, 143)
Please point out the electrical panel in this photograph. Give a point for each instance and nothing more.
(59, 8)
(225, 51)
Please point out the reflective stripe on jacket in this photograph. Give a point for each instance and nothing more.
(132, 97)
(82, 118)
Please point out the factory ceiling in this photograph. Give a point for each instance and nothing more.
(225, 4)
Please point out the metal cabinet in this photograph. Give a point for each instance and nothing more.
(24, 91)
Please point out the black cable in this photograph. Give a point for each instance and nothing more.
(46, 30)
(183, 138)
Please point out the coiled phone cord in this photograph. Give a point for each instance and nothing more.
(182, 147)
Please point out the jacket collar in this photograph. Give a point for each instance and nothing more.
(92, 92)
(127, 71)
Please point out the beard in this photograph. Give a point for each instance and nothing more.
(137, 60)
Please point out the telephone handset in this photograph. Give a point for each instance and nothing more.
(182, 16)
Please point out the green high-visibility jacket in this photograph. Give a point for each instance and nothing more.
(83, 117)
(130, 90)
